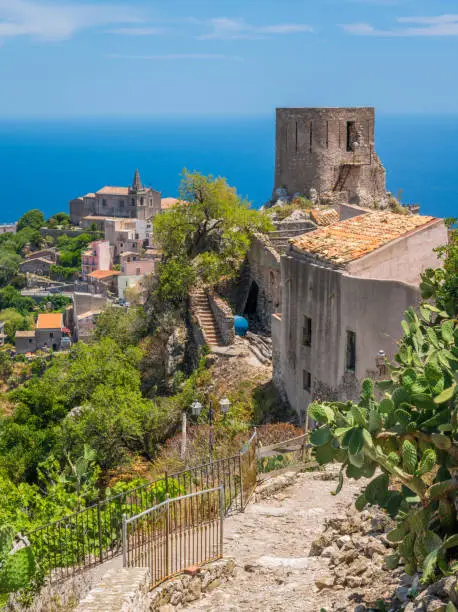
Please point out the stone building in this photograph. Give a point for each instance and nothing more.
(344, 290)
(37, 265)
(126, 235)
(135, 201)
(47, 334)
(259, 288)
(329, 153)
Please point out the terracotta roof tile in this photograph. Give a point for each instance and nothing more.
(107, 190)
(50, 321)
(24, 334)
(324, 217)
(348, 240)
(101, 274)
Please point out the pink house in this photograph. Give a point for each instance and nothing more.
(140, 267)
(97, 257)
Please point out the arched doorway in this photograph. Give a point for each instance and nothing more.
(251, 306)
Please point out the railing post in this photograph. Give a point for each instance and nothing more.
(99, 525)
(124, 540)
(166, 478)
(221, 519)
(167, 537)
(241, 481)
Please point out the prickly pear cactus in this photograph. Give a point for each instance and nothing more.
(409, 434)
(16, 566)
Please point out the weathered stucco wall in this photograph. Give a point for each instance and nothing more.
(313, 144)
(262, 279)
(404, 259)
(336, 303)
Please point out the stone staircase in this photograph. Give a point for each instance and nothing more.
(206, 319)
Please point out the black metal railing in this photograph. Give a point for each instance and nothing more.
(178, 533)
(94, 534)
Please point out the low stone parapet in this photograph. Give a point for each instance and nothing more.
(120, 590)
(190, 586)
(223, 316)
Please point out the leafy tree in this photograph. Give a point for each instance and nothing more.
(206, 235)
(125, 327)
(33, 219)
(10, 297)
(59, 219)
(9, 266)
(15, 321)
(411, 433)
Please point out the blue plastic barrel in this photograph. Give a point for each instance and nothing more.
(240, 325)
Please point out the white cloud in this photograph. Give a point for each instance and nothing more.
(138, 31)
(233, 29)
(50, 22)
(440, 25)
(176, 56)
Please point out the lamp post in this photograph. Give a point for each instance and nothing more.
(380, 362)
(196, 409)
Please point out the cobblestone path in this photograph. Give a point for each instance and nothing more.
(270, 543)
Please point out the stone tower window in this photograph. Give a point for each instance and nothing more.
(351, 135)
(307, 332)
(141, 201)
(133, 201)
(306, 380)
(296, 136)
(350, 359)
(311, 135)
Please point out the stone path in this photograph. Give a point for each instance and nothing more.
(270, 543)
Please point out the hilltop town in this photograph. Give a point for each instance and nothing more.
(144, 335)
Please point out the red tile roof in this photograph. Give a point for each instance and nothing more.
(52, 320)
(348, 240)
(107, 190)
(101, 274)
(324, 217)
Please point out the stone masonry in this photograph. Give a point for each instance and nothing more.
(330, 151)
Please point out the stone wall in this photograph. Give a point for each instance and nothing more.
(120, 590)
(261, 279)
(224, 317)
(189, 587)
(48, 231)
(332, 151)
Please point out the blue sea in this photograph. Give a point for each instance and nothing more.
(44, 164)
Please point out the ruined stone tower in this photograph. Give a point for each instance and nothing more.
(331, 151)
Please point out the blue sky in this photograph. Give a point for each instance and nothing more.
(201, 57)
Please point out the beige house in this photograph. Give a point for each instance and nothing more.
(344, 290)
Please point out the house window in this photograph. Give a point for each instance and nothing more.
(138, 272)
(121, 203)
(141, 201)
(307, 332)
(30, 340)
(104, 202)
(133, 201)
(350, 359)
(350, 135)
(306, 380)
(51, 334)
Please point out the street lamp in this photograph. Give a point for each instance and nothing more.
(380, 362)
(224, 404)
(196, 408)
